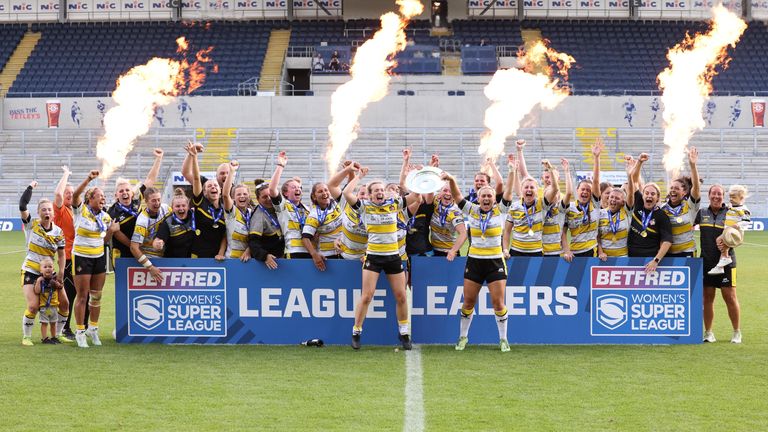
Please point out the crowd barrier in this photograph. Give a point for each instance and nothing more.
(550, 301)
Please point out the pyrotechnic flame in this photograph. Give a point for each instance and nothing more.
(687, 82)
(515, 92)
(370, 79)
(138, 93)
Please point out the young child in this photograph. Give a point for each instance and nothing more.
(48, 289)
(736, 218)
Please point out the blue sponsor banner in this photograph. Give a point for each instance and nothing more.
(757, 224)
(550, 301)
(11, 224)
(204, 301)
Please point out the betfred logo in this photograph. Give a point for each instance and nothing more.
(636, 277)
(176, 278)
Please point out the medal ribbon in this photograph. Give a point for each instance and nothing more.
(529, 218)
(128, 210)
(191, 227)
(442, 212)
(614, 221)
(646, 219)
(585, 210)
(484, 221)
(272, 219)
(216, 216)
(98, 220)
(675, 210)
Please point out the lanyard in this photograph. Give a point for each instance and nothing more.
(529, 218)
(646, 219)
(247, 217)
(614, 221)
(442, 212)
(322, 215)
(215, 215)
(584, 208)
(98, 220)
(484, 221)
(128, 210)
(272, 219)
(676, 211)
(300, 216)
(181, 222)
(151, 224)
(44, 285)
(472, 196)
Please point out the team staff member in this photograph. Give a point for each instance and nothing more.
(179, 229)
(583, 215)
(265, 238)
(614, 227)
(127, 206)
(93, 228)
(292, 213)
(525, 218)
(650, 233)
(145, 240)
(63, 217)
(323, 224)
(681, 208)
(238, 214)
(379, 215)
(44, 241)
(485, 262)
(209, 214)
(711, 221)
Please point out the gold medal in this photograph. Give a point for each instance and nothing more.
(482, 236)
(215, 226)
(197, 232)
(679, 219)
(643, 234)
(103, 234)
(530, 232)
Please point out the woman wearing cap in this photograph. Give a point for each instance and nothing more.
(584, 214)
(485, 261)
(93, 227)
(209, 214)
(650, 233)
(238, 214)
(265, 237)
(291, 212)
(180, 227)
(681, 208)
(44, 241)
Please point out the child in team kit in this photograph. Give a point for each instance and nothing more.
(736, 220)
(49, 290)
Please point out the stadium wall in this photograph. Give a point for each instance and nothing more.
(431, 111)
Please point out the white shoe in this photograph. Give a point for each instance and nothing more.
(716, 271)
(724, 261)
(709, 337)
(80, 339)
(736, 337)
(93, 333)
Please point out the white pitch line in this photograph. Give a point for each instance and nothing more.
(755, 244)
(11, 252)
(414, 391)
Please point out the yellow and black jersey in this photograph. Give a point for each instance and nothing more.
(485, 229)
(443, 225)
(147, 228)
(41, 243)
(614, 231)
(582, 222)
(527, 225)
(681, 217)
(238, 226)
(90, 229)
(380, 222)
(326, 224)
(292, 217)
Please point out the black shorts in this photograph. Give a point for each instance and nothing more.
(513, 252)
(587, 254)
(391, 264)
(485, 269)
(28, 278)
(681, 255)
(725, 280)
(299, 255)
(89, 266)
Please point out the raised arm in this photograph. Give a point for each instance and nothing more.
(513, 185)
(226, 191)
(551, 192)
(693, 158)
(155, 170)
(58, 197)
(349, 190)
(186, 166)
(77, 195)
(634, 177)
(522, 167)
(26, 196)
(568, 181)
(334, 183)
(404, 169)
(496, 177)
(274, 190)
(455, 192)
(197, 186)
(597, 150)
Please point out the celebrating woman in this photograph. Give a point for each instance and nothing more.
(44, 240)
(209, 214)
(485, 262)
(681, 208)
(180, 228)
(93, 227)
(614, 227)
(144, 240)
(238, 215)
(265, 238)
(291, 212)
(584, 214)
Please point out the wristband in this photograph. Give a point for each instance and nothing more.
(281, 165)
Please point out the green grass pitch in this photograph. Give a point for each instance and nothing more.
(717, 386)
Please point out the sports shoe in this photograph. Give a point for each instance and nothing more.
(80, 339)
(67, 333)
(504, 345)
(356, 341)
(406, 341)
(724, 261)
(55, 341)
(736, 337)
(26, 341)
(462, 343)
(47, 341)
(709, 337)
(716, 271)
(93, 333)
(63, 338)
